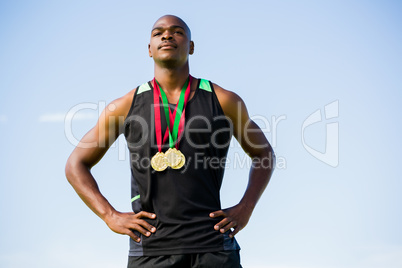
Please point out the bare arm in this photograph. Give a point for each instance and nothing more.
(255, 144)
(88, 152)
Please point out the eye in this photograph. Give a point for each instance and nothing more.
(156, 34)
(179, 32)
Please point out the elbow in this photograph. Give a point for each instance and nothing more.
(264, 158)
(68, 170)
(273, 158)
(72, 169)
(270, 158)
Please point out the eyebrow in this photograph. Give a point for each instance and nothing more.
(171, 27)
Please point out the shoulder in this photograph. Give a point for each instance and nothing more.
(225, 95)
(229, 100)
(121, 106)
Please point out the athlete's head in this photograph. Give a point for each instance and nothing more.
(178, 21)
(170, 42)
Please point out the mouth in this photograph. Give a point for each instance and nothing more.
(167, 45)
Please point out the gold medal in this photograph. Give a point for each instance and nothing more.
(159, 161)
(182, 162)
(173, 157)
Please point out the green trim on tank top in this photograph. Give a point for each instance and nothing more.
(135, 198)
(144, 87)
(205, 85)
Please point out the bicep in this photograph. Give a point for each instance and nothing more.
(93, 146)
(246, 131)
(252, 139)
(90, 149)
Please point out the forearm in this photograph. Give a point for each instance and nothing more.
(259, 176)
(237, 217)
(80, 177)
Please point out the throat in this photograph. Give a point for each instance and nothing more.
(173, 98)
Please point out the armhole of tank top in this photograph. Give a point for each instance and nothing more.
(132, 104)
(197, 88)
(134, 97)
(216, 98)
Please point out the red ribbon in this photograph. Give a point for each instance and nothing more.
(172, 116)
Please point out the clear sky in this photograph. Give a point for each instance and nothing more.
(335, 197)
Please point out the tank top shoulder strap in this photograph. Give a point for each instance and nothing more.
(143, 88)
(205, 85)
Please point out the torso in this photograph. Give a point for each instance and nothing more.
(181, 199)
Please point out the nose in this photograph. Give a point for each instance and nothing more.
(167, 35)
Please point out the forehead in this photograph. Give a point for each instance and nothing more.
(170, 22)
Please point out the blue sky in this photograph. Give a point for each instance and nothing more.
(286, 59)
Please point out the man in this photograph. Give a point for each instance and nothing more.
(178, 129)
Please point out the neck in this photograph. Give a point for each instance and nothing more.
(172, 80)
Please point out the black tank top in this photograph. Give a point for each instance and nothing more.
(181, 199)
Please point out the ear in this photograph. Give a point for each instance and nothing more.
(149, 50)
(191, 48)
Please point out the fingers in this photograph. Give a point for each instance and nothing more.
(143, 227)
(235, 231)
(219, 213)
(140, 229)
(134, 237)
(222, 223)
(126, 223)
(144, 214)
(225, 225)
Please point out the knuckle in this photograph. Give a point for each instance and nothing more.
(129, 233)
(134, 227)
(142, 223)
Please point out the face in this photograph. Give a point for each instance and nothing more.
(170, 42)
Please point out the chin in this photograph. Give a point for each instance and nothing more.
(168, 62)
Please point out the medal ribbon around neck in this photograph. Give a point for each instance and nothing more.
(175, 125)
